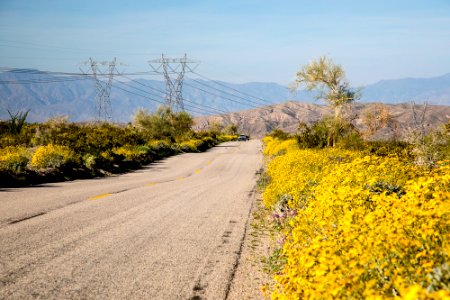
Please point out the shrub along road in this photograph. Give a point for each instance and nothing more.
(172, 230)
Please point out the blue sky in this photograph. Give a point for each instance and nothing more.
(235, 40)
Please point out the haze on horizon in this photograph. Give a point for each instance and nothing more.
(236, 41)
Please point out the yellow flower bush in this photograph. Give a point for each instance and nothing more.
(190, 145)
(227, 138)
(14, 158)
(131, 152)
(159, 144)
(276, 147)
(364, 226)
(52, 156)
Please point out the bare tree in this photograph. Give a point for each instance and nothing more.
(377, 117)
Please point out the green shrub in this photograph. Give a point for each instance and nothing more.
(279, 134)
(389, 148)
(89, 161)
(164, 124)
(328, 132)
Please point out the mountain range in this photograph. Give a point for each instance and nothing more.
(48, 95)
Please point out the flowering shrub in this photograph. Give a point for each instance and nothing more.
(132, 152)
(158, 144)
(227, 138)
(52, 156)
(14, 158)
(190, 145)
(359, 226)
(276, 147)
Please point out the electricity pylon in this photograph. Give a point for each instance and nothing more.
(173, 70)
(99, 70)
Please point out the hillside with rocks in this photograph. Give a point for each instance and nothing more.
(287, 116)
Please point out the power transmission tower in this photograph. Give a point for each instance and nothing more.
(173, 70)
(99, 70)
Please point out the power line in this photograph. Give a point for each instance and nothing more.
(266, 102)
(40, 72)
(216, 95)
(154, 100)
(184, 99)
(225, 92)
(40, 81)
(144, 85)
(229, 87)
(205, 108)
(172, 70)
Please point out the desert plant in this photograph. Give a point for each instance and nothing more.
(230, 129)
(190, 146)
(52, 156)
(347, 203)
(14, 158)
(132, 152)
(164, 124)
(17, 121)
(426, 145)
(377, 117)
(329, 78)
(279, 134)
(327, 132)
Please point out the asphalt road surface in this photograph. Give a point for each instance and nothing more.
(172, 230)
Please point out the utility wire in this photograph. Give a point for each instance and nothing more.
(227, 93)
(236, 101)
(216, 110)
(266, 102)
(216, 95)
(151, 99)
(44, 80)
(229, 87)
(242, 100)
(40, 72)
(203, 108)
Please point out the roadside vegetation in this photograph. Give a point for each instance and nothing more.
(60, 150)
(357, 217)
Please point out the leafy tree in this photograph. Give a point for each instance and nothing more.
(230, 129)
(279, 134)
(329, 78)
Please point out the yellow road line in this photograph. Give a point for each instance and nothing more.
(99, 196)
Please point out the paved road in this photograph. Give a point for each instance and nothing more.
(172, 230)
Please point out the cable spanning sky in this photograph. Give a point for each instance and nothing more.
(235, 40)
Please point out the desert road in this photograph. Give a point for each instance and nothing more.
(172, 230)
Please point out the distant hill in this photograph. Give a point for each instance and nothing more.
(435, 90)
(47, 95)
(287, 116)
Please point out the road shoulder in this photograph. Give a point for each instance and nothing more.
(250, 275)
